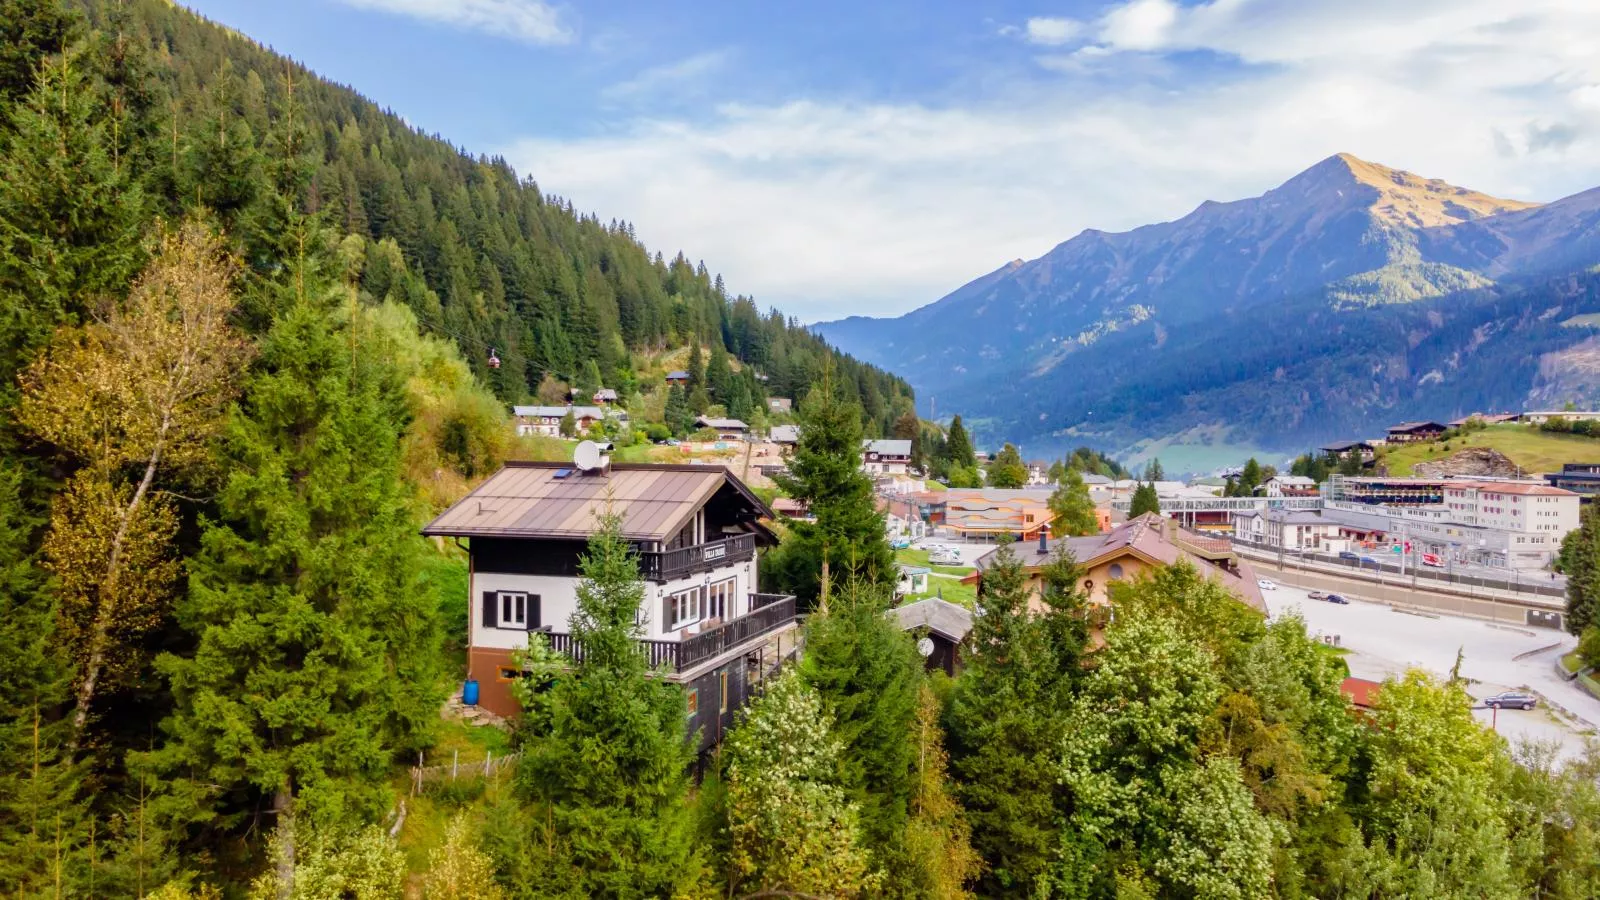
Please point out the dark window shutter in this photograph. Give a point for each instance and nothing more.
(533, 613)
(666, 613)
(491, 609)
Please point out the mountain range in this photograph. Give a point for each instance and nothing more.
(1351, 296)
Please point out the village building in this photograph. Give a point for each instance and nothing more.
(989, 513)
(1540, 417)
(546, 420)
(698, 531)
(678, 377)
(1290, 486)
(1486, 418)
(886, 457)
(1415, 432)
(911, 580)
(1582, 479)
(726, 429)
(1366, 451)
(785, 436)
(780, 405)
(1137, 545)
(1290, 529)
(940, 629)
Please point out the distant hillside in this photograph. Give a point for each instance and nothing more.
(1348, 296)
(489, 259)
(1527, 447)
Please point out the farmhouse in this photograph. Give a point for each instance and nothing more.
(1415, 432)
(726, 429)
(546, 420)
(698, 531)
(886, 457)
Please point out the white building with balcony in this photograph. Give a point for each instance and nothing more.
(697, 529)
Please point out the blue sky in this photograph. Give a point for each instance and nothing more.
(835, 158)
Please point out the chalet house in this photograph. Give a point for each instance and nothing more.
(780, 405)
(678, 377)
(1290, 486)
(1135, 546)
(726, 429)
(546, 420)
(1539, 417)
(886, 457)
(784, 435)
(1415, 432)
(604, 397)
(1339, 449)
(940, 627)
(697, 530)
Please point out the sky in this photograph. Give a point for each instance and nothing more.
(865, 158)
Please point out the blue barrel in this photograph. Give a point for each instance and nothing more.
(469, 692)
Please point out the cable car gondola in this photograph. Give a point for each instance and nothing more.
(494, 361)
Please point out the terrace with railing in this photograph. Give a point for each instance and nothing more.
(768, 613)
(670, 565)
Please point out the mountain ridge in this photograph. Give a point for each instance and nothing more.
(1345, 234)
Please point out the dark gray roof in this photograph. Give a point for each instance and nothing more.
(941, 616)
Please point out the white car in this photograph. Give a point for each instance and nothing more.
(1266, 584)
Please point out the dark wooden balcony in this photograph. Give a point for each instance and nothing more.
(669, 565)
(769, 612)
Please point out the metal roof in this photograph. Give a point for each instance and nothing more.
(557, 500)
(899, 447)
(941, 616)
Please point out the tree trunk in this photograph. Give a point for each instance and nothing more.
(108, 599)
(283, 805)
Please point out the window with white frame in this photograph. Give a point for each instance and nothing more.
(513, 609)
(719, 603)
(685, 608)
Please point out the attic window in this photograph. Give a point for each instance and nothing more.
(561, 473)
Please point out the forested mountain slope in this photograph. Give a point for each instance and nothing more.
(1349, 295)
(489, 259)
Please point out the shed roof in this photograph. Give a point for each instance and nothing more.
(721, 424)
(947, 619)
(888, 447)
(557, 500)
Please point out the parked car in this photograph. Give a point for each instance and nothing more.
(1511, 700)
(1432, 559)
(1317, 595)
(1335, 598)
(1266, 584)
(1346, 554)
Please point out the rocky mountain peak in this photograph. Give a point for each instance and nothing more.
(1393, 196)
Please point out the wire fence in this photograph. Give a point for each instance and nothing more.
(1532, 583)
(456, 769)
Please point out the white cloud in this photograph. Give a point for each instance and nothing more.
(836, 208)
(532, 21)
(1051, 32)
(1139, 25)
(671, 76)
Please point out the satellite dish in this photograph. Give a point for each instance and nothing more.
(590, 456)
(925, 647)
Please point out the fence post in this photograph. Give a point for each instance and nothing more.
(455, 763)
(487, 755)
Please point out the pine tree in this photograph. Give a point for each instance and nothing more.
(1580, 561)
(317, 654)
(1153, 471)
(604, 776)
(847, 540)
(1005, 729)
(719, 376)
(1145, 500)
(958, 447)
(71, 220)
(867, 672)
(1072, 507)
(677, 415)
(938, 842)
(30, 32)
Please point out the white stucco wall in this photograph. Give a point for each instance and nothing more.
(558, 600)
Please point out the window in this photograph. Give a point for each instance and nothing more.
(510, 610)
(1115, 571)
(722, 686)
(694, 701)
(513, 610)
(720, 603)
(685, 608)
(509, 674)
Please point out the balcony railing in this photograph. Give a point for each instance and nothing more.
(697, 649)
(769, 612)
(669, 565)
